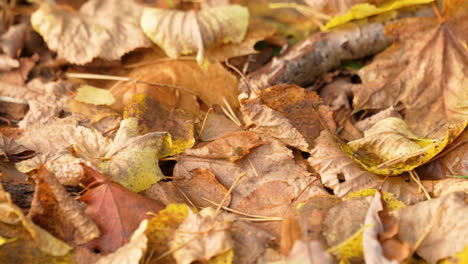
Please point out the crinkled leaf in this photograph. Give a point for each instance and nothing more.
(430, 85)
(183, 32)
(104, 29)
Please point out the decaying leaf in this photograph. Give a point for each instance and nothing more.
(373, 237)
(55, 210)
(201, 236)
(363, 10)
(436, 229)
(290, 113)
(133, 251)
(333, 165)
(389, 147)
(177, 123)
(161, 229)
(10, 150)
(183, 32)
(176, 84)
(109, 28)
(231, 147)
(431, 85)
(31, 238)
(333, 7)
(46, 100)
(116, 210)
(308, 252)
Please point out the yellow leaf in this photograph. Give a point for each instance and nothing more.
(391, 201)
(178, 32)
(161, 228)
(224, 258)
(93, 95)
(366, 10)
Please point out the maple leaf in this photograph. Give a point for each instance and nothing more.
(55, 210)
(182, 32)
(436, 229)
(116, 210)
(290, 113)
(100, 29)
(424, 71)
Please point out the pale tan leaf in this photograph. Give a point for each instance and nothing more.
(7, 63)
(132, 252)
(100, 29)
(183, 32)
(200, 237)
(308, 252)
(439, 225)
(333, 165)
(10, 148)
(333, 7)
(373, 251)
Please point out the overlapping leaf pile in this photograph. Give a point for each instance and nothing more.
(130, 151)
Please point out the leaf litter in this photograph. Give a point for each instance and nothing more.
(285, 156)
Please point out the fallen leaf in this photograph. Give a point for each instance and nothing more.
(183, 32)
(177, 123)
(116, 210)
(11, 150)
(449, 185)
(333, 165)
(231, 147)
(333, 7)
(165, 193)
(55, 210)
(270, 162)
(201, 236)
(46, 100)
(308, 252)
(16, 224)
(203, 185)
(12, 41)
(133, 251)
(430, 85)
(216, 126)
(250, 241)
(290, 113)
(363, 10)
(93, 95)
(7, 63)
(373, 246)
(161, 229)
(176, 84)
(100, 29)
(389, 147)
(436, 227)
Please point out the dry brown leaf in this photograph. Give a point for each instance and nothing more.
(216, 126)
(203, 185)
(368, 122)
(12, 41)
(46, 100)
(10, 150)
(449, 185)
(100, 29)
(308, 252)
(18, 74)
(436, 227)
(55, 210)
(333, 165)
(7, 63)
(249, 241)
(373, 246)
(200, 237)
(165, 193)
(31, 238)
(431, 85)
(99, 117)
(183, 32)
(290, 113)
(116, 210)
(231, 147)
(272, 161)
(176, 84)
(132, 252)
(333, 7)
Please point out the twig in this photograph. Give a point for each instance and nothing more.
(414, 175)
(244, 214)
(228, 192)
(202, 129)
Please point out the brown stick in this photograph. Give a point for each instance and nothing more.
(306, 61)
